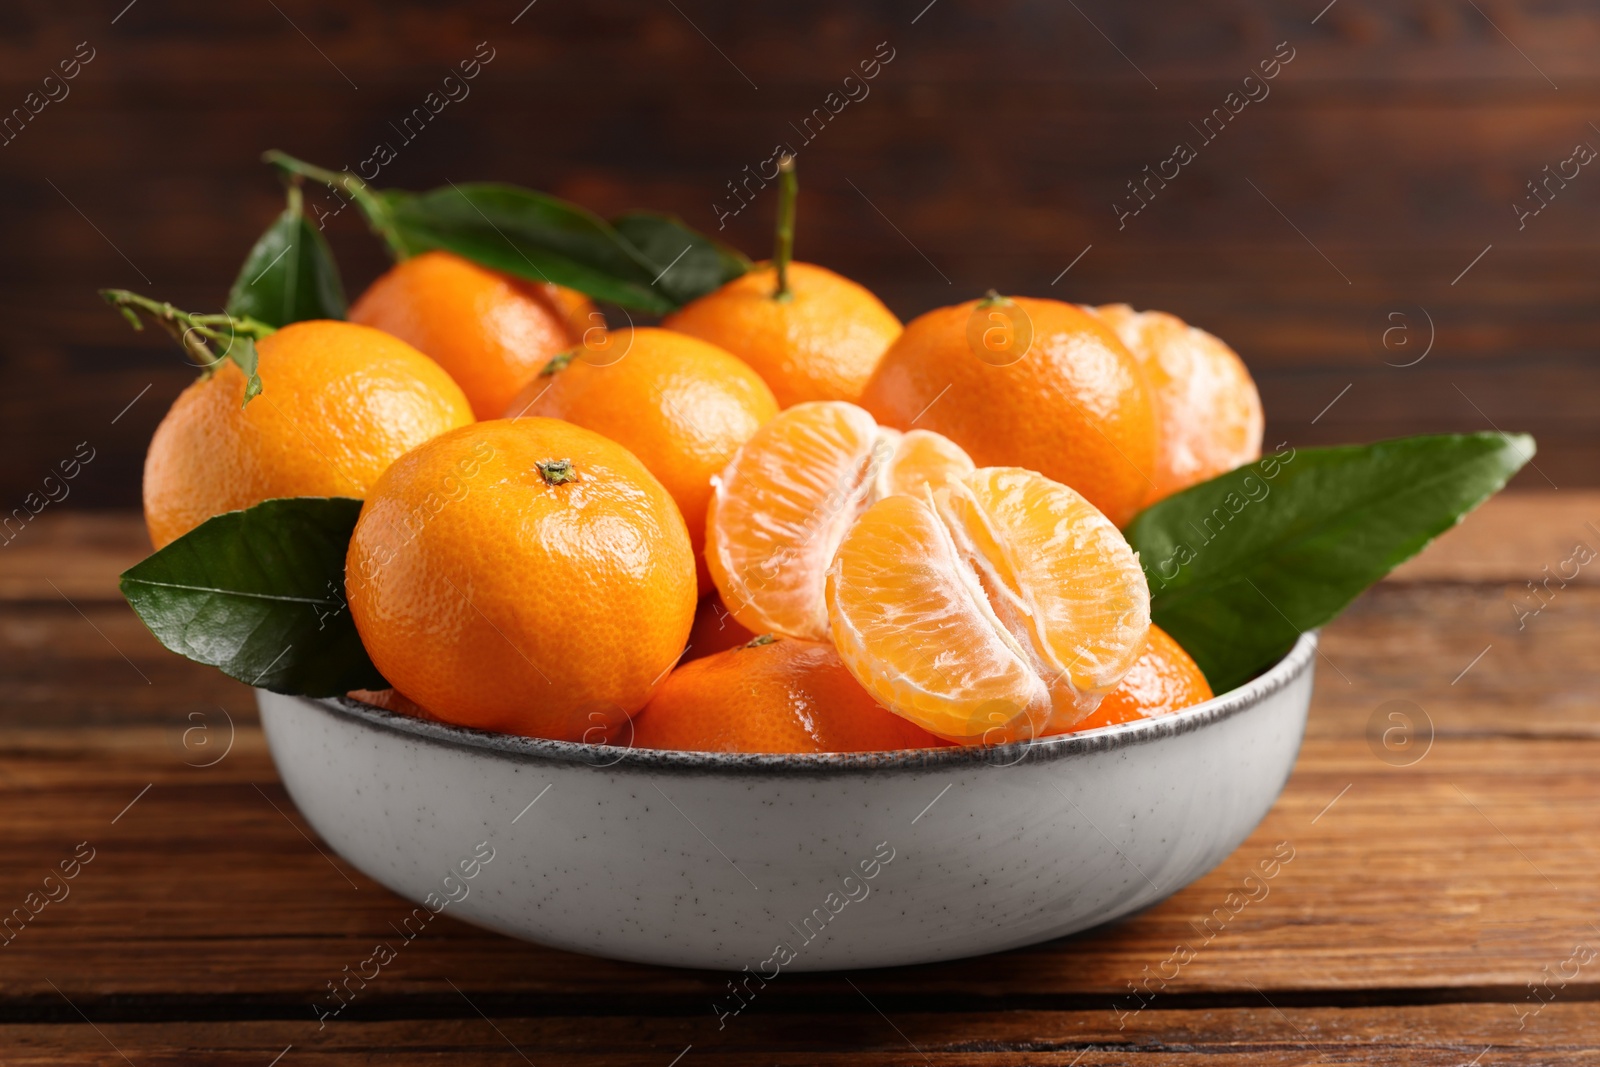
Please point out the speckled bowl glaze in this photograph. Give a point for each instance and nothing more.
(791, 862)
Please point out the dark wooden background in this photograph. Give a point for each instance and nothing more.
(988, 153)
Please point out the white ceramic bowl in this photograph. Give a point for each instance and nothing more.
(791, 862)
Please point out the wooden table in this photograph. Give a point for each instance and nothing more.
(1441, 906)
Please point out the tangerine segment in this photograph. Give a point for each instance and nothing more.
(771, 695)
(1000, 608)
(922, 457)
(783, 504)
(1207, 406)
(780, 507)
(1077, 581)
(911, 623)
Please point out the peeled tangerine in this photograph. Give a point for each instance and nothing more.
(783, 504)
(999, 607)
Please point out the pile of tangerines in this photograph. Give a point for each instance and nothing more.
(779, 522)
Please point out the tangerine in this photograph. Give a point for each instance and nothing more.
(771, 695)
(681, 405)
(530, 577)
(819, 343)
(339, 403)
(1038, 384)
(491, 332)
(1161, 681)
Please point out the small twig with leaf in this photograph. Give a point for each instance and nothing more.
(371, 204)
(198, 334)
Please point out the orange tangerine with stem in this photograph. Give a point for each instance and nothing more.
(681, 405)
(811, 333)
(530, 577)
(338, 404)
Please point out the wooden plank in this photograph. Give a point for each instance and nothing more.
(1448, 1035)
(1512, 539)
(64, 554)
(1350, 43)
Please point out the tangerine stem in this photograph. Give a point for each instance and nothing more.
(559, 361)
(379, 219)
(783, 250)
(188, 329)
(196, 333)
(557, 471)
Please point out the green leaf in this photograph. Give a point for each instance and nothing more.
(634, 262)
(1241, 565)
(289, 276)
(529, 235)
(259, 594)
(689, 264)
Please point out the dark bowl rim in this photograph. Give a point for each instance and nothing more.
(534, 750)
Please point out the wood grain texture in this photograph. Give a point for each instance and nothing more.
(1429, 901)
(988, 152)
(1259, 1035)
